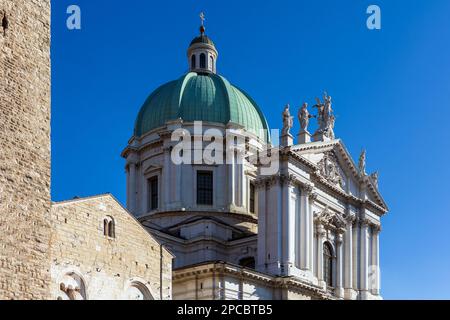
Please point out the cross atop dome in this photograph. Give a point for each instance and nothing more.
(202, 53)
(202, 27)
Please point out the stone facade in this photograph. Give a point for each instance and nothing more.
(308, 231)
(25, 149)
(309, 228)
(127, 263)
(60, 251)
(319, 220)
(224, 281)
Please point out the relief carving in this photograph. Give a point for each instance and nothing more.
(329, 219)
(330, 170)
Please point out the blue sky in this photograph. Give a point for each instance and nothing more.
(391, 93)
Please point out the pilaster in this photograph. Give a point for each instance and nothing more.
(375, 267)
(166, 175)
(320, 230)
(339, 267)
(261, 212)
(288, 227)
(306, 228)
(350, 293)
(364, 258)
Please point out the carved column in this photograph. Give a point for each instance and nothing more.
(306, 228)
(273, 221)
(288, 226)
(348, 265)
(310, 222)
(178, 183)
(339, 266)
(364, 257)
(166, 174)
(356, 253)
(261, 211)
(320, 235)
(232, 181)
(240, 154)
(375, 267)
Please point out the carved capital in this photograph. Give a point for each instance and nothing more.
(308, 189)
(320, 229)
(376, 228)
(349, 218)
(288, 179)
(364, 222)
(313, 196)
(132, 164)
(331, 220)
(273, 180)
(260, 183)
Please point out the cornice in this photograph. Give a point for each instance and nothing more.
(221, 268)
(337, 146)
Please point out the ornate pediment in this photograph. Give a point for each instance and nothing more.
(329, 169)
(332, 163)
(333, 220)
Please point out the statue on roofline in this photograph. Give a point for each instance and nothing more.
(325, 118)
(362, 163)
(304, 116)
(374, 176)
(288, 121)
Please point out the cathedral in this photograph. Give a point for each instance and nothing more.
(219, 207)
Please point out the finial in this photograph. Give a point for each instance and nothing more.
(202, 27)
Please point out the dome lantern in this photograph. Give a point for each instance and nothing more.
(202, 54)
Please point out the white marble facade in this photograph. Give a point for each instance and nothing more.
(303, 209)
(314, 222)
(318, 198)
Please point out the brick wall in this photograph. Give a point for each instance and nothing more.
(107, 265)
(24, 149)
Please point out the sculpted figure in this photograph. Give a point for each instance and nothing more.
(288, 121)
(320, 115)
(303, 117)
(327, 110)
(331, 127)
(362, 162)
(374, 177)
(325, 117)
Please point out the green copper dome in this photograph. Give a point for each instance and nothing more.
(201, 97)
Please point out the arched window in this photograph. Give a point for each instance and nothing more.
(203, 61)
(211, 61)
(193, 62)
(247, 262)
(328, 264)
(109, 227)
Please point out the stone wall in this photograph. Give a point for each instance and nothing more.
(108, 266)
(24, 149)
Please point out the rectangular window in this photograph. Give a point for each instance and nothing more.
(153, 193)
(205, 188)
(252, 198)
